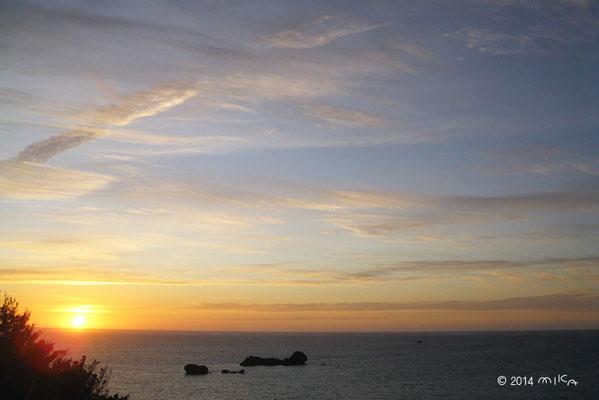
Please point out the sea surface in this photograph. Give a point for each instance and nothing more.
(461, 366)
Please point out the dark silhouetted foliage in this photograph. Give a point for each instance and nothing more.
(30, 368)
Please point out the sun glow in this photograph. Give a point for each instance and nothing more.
(78, 321)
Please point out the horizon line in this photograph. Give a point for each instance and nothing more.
(320, 332)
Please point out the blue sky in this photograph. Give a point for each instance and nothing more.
(393, 157)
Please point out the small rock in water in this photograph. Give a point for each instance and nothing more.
(194, 369)
(226, 371)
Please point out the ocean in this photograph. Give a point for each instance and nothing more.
(461, 366)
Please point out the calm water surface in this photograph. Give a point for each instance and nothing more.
(149, 365)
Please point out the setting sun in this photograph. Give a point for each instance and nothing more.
(78, 321)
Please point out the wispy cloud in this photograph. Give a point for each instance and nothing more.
(558, 301)
(373, 199)
(457, 266)
(436, 211)
(146, 138)
(142, 104)
(496, 43)
(26, 177)
(544, 160)
(538, 3)
(402, 271)
(64, 249)
(268, 84)
(318, 32)
(22, 180)
(93, 277)
(338, 116)
(43, 151)
(545, 234)
(555, 23)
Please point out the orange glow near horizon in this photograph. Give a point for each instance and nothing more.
(316, 320)
(236, 308)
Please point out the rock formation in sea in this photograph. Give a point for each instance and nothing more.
(297, 358)
(193, 369)
(253, 361)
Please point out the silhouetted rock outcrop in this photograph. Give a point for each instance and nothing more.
(193, 369)
(253, 361)
(297, 358)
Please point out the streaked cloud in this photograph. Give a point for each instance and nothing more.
(406, 271)
(450, 267)
(43, 151)
(374, 199)
(156, 139)
(551, 26)
(142, 104)
(432, 211)
(318, 32)
(24, 177)
(497, 44)
(544, 160)
(337, 116)
(538, 3)
(272, 85)
(91, 277)
(557, 301)
(29, 181)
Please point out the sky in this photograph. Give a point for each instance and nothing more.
(421, 165)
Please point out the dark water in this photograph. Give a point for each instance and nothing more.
(149, 365)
